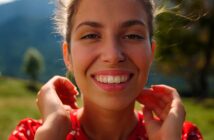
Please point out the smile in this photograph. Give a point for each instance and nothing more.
(112, 80)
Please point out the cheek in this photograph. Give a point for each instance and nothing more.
(141, 57)
(82, 57)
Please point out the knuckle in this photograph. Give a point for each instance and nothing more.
(56, 77)
(36, 100)
(43, 89)
(181, 107)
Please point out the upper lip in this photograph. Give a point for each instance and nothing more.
(112, 72)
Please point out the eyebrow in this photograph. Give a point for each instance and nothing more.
(132, 23)
(90, 23)
(123, 25)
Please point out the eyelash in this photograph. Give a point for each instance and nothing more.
(128, 36)
(91, 36)
(133, 37)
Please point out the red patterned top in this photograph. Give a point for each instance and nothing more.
(26, 129)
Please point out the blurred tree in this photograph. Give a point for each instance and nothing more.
(185, 39)
(33, 64)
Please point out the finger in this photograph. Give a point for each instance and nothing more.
(172, 93)
(59, 81)
(65, 83)
(177, 108)
(67, 108)
(141, 96)
(149, 98)
(148, 116)
(174, 105)
(74, 105)
(70, 86)
(145, 97)
(157, 99)
(69, 101)
(163, 92)
(164, 112)
(151, 124)
(151, 95)
(47, 101)
(66, 91)
(167, 90)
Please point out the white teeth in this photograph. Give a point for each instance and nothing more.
(117, 79)
(111, 79)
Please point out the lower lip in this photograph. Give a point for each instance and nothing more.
(111, 87)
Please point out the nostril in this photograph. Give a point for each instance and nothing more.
(114, 55)
(122, 57)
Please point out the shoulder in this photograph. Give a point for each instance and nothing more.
(25, 130)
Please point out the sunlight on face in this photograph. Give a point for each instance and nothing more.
(111, 52)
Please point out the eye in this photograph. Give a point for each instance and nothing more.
(91, 36)
(133, 37)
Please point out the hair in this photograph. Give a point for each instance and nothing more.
(67, 9)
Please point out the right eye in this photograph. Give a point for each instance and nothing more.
(91, 36)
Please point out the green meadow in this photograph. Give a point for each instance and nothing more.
(17, 102)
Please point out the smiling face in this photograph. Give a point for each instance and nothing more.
(111, 52)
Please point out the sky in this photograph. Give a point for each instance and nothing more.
(6, 1)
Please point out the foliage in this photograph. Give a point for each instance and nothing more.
(33, 63)
(185, 39)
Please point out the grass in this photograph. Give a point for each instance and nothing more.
(17, 102)
(202, 114)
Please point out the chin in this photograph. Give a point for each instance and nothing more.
(117, 104)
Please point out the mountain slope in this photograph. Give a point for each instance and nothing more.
(32, 28)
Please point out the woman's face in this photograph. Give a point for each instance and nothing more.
(111, 52)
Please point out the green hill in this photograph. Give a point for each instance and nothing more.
(16, 39)
(25, 24)
(16, 103)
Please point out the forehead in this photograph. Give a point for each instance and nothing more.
(109, 11)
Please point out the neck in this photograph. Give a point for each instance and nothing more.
(99, 123)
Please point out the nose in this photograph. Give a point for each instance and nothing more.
(112, 52)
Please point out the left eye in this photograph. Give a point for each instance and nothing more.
(133, 37)
(91, 36)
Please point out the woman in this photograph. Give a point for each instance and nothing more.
(108, 47)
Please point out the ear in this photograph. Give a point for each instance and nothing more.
(66, 56)
(153, 47)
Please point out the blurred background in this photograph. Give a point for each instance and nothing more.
(30, 54)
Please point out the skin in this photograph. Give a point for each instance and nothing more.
(55, 114)
(113, 40)
(110, 48)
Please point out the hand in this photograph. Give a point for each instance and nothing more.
(165, 102)
(55, 100)
(56, 95)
